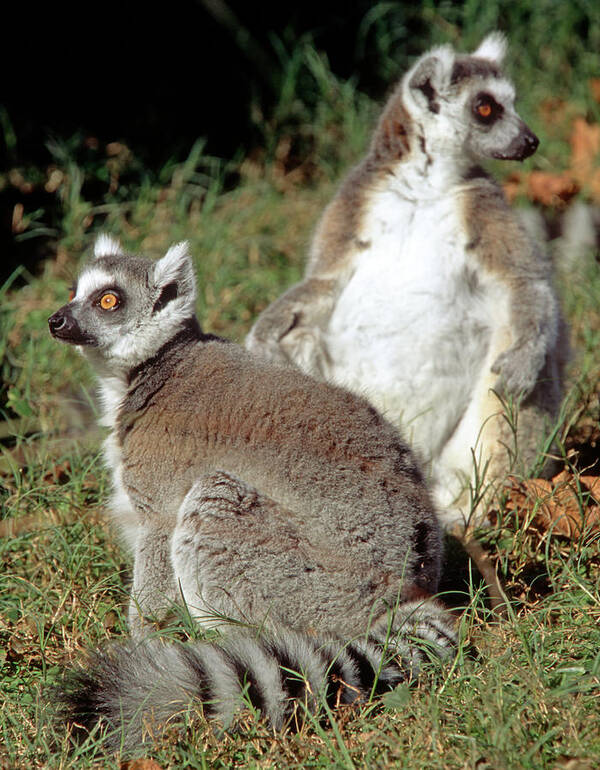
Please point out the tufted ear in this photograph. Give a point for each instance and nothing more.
(174, 276)
(430, 77)
(107, 246)
(493, 48)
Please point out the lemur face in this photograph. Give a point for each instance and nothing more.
(464, 105)
(106, 304)
(124, 308)
(494, 129)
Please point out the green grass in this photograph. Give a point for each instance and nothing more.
(523, 692)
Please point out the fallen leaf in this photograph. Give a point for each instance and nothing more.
(585, 146)
(595, 88)
(558, 506)
(551, 189)
(592, 485)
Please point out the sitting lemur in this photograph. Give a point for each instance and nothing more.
(249, 493)
(425, 294)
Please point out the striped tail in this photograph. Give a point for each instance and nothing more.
(134, 690)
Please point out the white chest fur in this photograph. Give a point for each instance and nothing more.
(411, 329)
(113, 390)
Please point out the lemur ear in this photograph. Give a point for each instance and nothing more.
(174, 275)
(430, 77)
(107, 246)
(493, 48)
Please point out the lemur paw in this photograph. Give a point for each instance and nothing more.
(266, 345)
(305, 348)
(268, 336)
(518, 369)
(217, 496)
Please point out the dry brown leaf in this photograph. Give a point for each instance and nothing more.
(585, 146)
(551, 189)
(595, 88)
(557, 505)
(592, 485)
(557, 189)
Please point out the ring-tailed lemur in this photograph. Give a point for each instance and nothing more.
(250, 491)
(423, 293)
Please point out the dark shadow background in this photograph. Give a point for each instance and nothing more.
(157, 77)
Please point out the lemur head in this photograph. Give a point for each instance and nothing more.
(462, 106)
(123, 309)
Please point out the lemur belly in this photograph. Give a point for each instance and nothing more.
(410, 330)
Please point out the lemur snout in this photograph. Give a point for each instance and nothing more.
(64, 326)
(522, 147)
(57, 323)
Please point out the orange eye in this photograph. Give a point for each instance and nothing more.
(109, 301)
(486, 109)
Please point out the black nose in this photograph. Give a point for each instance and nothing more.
(57, 322)
(532, 142)
(64, 327)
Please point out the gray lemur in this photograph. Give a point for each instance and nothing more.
(424, 294)
(248, 490)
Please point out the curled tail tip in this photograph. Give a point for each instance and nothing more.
(418, 630)
(432, 621)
